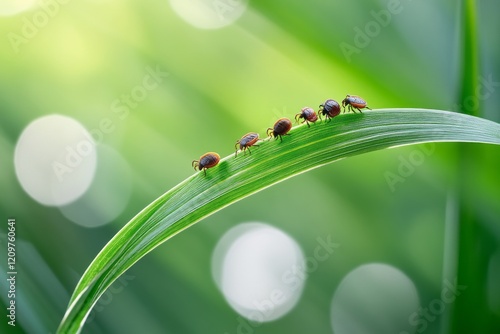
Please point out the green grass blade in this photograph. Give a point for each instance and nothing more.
(274, 161)
(469, 229)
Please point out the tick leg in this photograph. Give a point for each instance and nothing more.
(236, 148)
(368, 108)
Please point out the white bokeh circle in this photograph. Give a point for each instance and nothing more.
(374, 298)
(259, 270)
(108, 194)
(55, 160)
(209, 14)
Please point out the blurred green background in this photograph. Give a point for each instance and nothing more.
(228, 67)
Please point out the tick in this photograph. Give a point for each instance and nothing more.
(207, 160)
(308, 115)
(246, 141)
(354, 102)
(280, 129)
(329, 109)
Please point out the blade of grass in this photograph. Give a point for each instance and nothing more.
(472, 256)
(236, 178)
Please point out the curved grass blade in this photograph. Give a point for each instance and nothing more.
(236, 178)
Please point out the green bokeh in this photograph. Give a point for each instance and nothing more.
(222, 83)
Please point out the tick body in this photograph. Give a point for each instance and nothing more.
(308, 115)
(329, 109)
(246, 141)
(354, 102)
(206, 161)
(280, 129)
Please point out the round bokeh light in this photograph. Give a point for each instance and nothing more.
(55, 160)
(256, 268)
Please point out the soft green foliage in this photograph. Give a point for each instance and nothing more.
(278, 57)
(238, 177)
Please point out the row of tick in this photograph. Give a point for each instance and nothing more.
(329, 109)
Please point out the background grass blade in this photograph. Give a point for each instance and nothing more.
(469, 227)
(274, 161)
